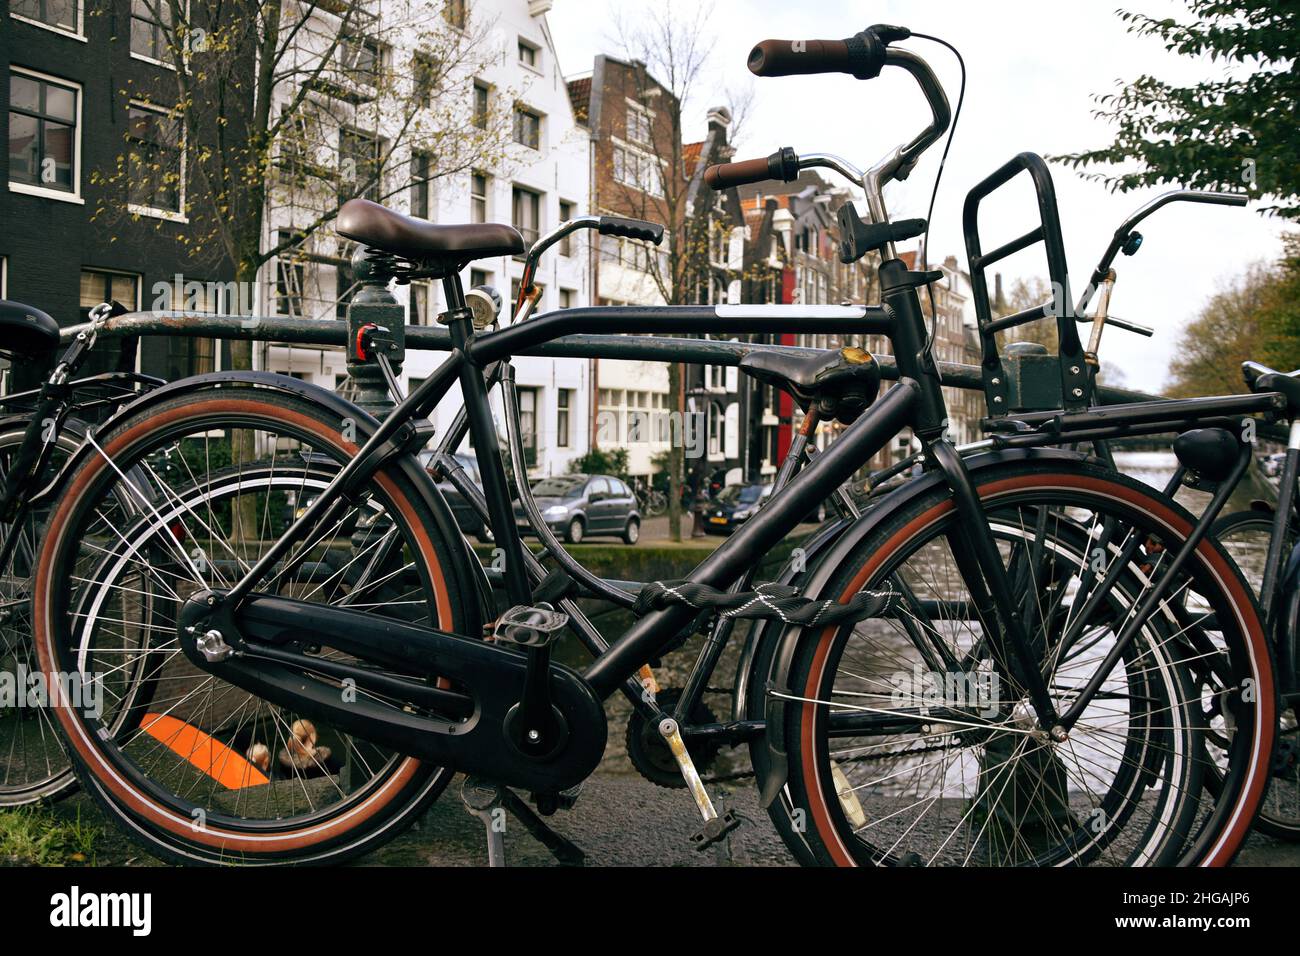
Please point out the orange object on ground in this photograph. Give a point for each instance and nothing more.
(207, 754)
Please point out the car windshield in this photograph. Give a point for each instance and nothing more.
(740, 494)
(563, 486)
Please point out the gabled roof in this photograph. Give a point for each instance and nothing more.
(580, 97)
(691, 154)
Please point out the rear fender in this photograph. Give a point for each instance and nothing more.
(814, 585)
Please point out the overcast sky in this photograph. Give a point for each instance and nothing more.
(1032, 68)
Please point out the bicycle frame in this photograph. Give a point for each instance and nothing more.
(915, 402)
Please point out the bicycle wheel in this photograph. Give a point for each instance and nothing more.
(911, 740)
(1245, 535)
(33, 765)
(213, 773)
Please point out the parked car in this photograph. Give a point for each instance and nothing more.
(734, 505)
(467, 519)
(581, 506)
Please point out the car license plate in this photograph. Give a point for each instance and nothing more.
(718, 520)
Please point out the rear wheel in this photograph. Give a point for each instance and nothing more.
(213, 773)
(910, 737)
(1245, 535)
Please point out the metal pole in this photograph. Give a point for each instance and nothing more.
(373, 304)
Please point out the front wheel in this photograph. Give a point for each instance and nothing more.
(912, 740)
(632, 531)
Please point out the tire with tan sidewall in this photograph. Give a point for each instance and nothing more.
(808, 675)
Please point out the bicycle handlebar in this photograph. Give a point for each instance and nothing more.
(861, 55)
(782, 165)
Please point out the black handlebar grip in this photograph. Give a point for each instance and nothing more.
(631, 229)
(861, 56)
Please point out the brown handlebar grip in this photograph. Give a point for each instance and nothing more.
(800, 57)
(737, 174)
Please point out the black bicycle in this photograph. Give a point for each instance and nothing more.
(39, 431)
(980, 669)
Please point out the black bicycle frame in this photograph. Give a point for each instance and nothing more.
(915, 402)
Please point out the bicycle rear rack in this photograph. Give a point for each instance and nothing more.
(1075, 381)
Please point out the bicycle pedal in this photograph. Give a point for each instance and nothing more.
(716, 830)
(530, 626)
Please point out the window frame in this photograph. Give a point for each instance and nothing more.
(563, 411)
(157, 212)
(479, 118)
(461, 20)
(516, 192)
(479, 199)
(421, 183)
(34, 189)
(145, 57)
(522, 110)
(77, 34)
(535, 51)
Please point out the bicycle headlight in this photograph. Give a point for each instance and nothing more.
(484, 305)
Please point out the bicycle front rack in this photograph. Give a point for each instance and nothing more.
(1075, 380)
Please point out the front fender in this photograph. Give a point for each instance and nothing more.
(818, 577)
(461, 573)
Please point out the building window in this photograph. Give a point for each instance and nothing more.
(566, 213)
(151, 27)
(528, 424)
(420, 171)
(155, 161)
(527, 218)
(529, 54)
(359, 165)
(290, 274)
(60, 14)
(566, 298)
(478, 197)
(480, 105)
(563, 403)
(186, 356)
(43, 133)
(636, 169)
(528, 128)
(478, 277)
(424, 77)
(99, 286)
(362, 60)
(638, 124)
(421, 300)
(343, 290)
(456, 13)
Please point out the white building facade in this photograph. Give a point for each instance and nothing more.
(537, 179)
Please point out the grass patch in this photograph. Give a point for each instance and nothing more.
(35, 836)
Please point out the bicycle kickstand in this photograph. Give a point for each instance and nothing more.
(490, 803)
